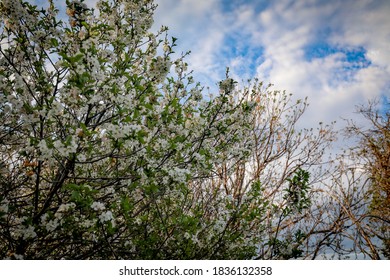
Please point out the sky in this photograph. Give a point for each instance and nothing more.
(335, 52)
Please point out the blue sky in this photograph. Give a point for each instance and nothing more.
(336, 52)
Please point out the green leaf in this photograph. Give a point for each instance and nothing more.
(54, 42)
(76, 58)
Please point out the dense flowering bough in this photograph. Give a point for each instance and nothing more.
(99, 145)
(105, 153)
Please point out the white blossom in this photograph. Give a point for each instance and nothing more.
(52, 225)
(97, 206)
(46, 153)
(88, 223)
(29, 233)
(64, 208)
(106, 216)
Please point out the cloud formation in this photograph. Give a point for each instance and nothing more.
(335, 52)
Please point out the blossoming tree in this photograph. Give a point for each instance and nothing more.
(105, 153)
(98, 143)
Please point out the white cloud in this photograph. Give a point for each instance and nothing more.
(366, 24)
(333, 86)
